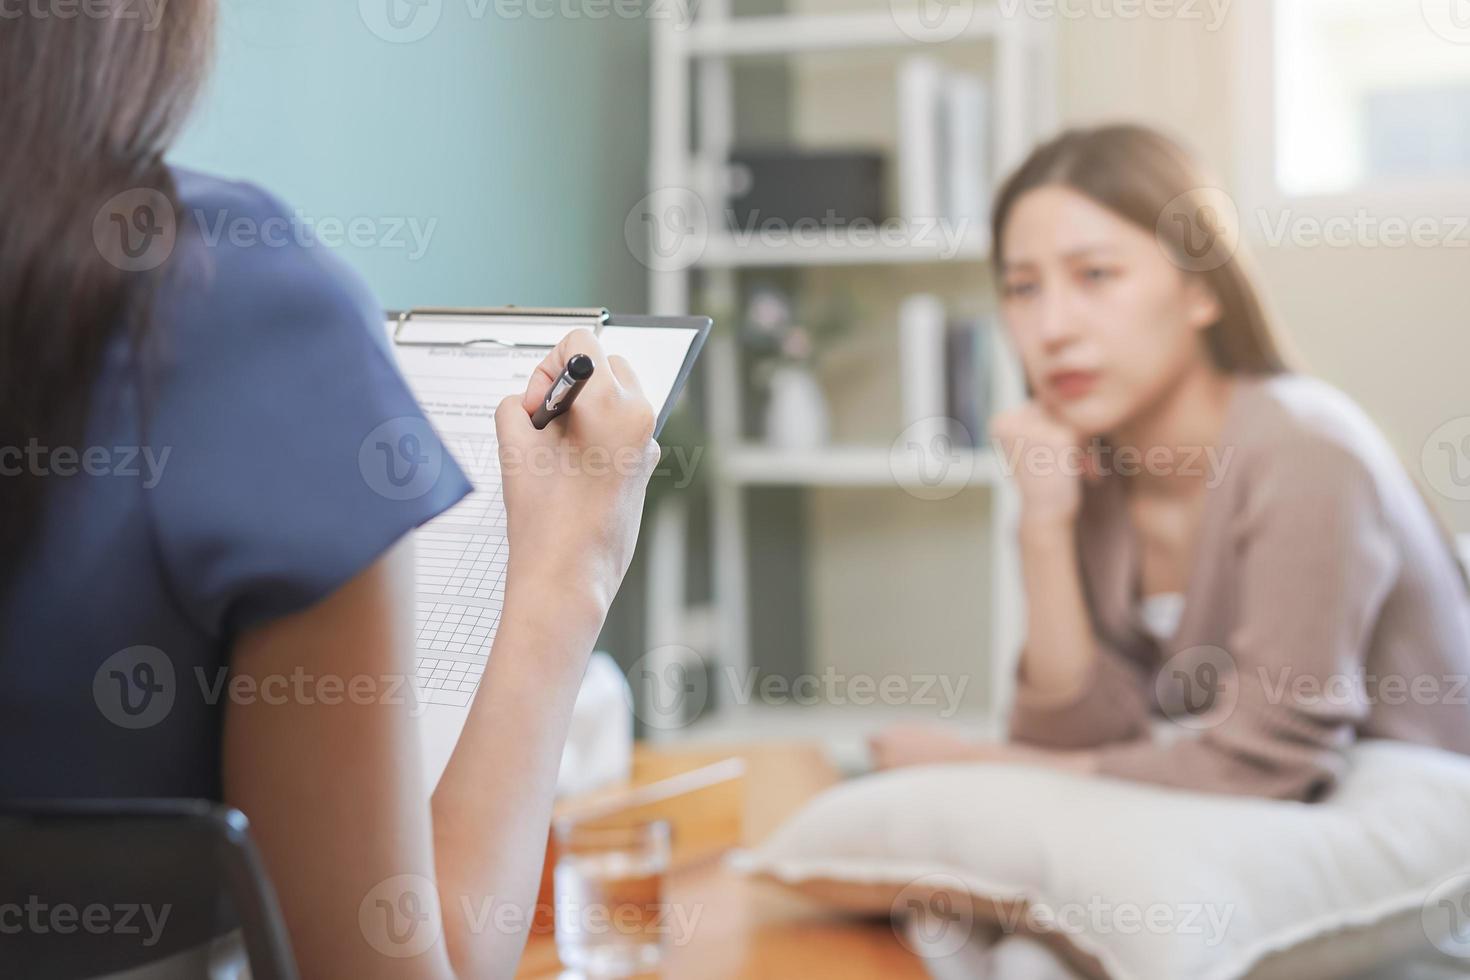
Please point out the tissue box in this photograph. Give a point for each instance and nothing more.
(599, 747)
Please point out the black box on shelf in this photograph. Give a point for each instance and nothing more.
(786, 186)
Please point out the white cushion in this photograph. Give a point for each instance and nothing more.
(1133, 881)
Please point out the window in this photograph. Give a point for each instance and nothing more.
(1370, 94)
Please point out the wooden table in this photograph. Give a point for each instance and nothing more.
(747, 929)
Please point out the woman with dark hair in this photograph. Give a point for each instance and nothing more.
(181, 502)
(1206, 535)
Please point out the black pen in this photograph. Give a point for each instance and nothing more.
(564, 391)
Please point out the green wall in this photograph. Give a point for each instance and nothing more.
(516, 142)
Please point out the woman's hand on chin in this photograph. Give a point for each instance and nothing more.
(1048, 461)
(920, 744)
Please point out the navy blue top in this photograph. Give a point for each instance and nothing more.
(270, 453)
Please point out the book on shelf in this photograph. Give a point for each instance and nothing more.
(967, 175)
(943, 145)
(919, 175)
(921, 358)
(945, 366)
(967, 390)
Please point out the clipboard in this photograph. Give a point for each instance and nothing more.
(540, 329)
(461, 555)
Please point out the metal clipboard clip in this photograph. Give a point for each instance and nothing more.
(592, 317)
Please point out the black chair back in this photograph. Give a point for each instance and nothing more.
(90, 888)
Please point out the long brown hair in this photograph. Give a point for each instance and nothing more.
(1147, 178)
(88, 105)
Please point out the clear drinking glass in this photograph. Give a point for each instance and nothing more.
(609, 881)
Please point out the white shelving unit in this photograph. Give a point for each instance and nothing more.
(718, 35)
(724, 251)
(854, 467)
(691, 136)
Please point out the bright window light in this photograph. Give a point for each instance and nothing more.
(1371, 93)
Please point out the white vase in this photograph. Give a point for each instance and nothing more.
(796, 412)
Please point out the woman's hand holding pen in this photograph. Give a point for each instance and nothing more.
(574, 490)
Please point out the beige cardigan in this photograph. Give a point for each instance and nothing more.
(1323, 603)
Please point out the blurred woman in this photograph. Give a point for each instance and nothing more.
(251, 370)
(1208, 538)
